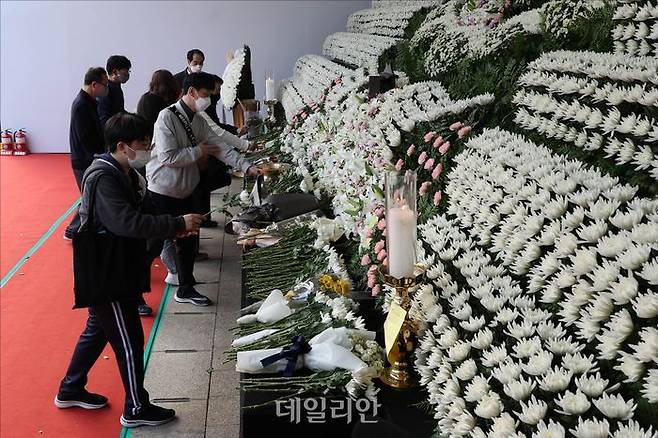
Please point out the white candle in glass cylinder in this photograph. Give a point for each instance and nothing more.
(401, 233)
(269, 89)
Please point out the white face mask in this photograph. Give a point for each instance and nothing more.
(196, 68)
(201, 103)
(141, 158)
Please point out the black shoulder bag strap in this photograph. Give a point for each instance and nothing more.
(186, 124)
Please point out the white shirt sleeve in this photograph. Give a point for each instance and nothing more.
(225, 136)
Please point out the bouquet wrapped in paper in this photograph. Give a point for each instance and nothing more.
(326, 351)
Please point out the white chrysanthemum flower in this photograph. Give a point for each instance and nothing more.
(494, 356)
(503, 426)
(520, 330)
(482, 339)
(473, 324)
(647, 349)
(632, 429)
(646, 305)
(489, 406)
(519, 389)
(539, 363)
(650, 387)
(591, 429)
(650, 272)
(550, 430)
(556, 380)
(583, 261)
(459, 351)
(506, 372)
(630, 366)
(467, 370)
(532, 411)
(634, 256)
(577, 363)
(573, 403)
(614, 406)
(527, 347)
(448, 338)
(592, 385)
(506, 315)
(475, 390)
(624, 290)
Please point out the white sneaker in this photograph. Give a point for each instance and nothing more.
(172, 279)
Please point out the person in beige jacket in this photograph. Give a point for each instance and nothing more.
(181, 137)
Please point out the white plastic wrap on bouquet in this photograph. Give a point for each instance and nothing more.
(274, 308)
(250, 339)
(322, 357)
(341, 336)
(329, 350)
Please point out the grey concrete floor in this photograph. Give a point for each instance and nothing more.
(185, 370)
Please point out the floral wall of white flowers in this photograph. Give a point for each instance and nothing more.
(539, 232)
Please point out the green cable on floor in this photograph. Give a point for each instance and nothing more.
(125, 432)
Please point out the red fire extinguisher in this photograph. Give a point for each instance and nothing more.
(7, 143)
(20, 143)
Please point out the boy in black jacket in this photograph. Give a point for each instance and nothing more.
(110, 270)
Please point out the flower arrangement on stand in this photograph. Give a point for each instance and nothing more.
(232, 77)
(391, 21)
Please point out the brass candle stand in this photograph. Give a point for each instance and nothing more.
(400, 373)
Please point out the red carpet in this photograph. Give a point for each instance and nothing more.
(34, 191)
(38, 329)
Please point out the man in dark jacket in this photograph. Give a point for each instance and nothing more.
(195, 60)
(110, 270)
(86, 131)
(118, 72)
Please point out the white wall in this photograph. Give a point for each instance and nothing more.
(46, 47)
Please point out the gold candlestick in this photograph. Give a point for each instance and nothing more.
(400, 373)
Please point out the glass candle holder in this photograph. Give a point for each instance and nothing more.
(401, 219)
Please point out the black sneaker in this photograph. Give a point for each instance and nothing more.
(144, 310)
(85, 400)
(192, 297)
(68, 235)
(209, 223)
(151, 415)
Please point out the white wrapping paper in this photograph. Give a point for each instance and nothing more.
(274, 308)
(249, 339)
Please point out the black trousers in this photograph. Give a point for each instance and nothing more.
(186, 247)
(118, 323)
(75, 222)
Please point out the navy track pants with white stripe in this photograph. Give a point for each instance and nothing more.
(120, 324)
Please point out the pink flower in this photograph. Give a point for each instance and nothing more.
(379, 246)
(381, 255)
(437, 198)
(463, 132)
(429, 136)
(444, 148)
(372, 269)
(372, 282)
(381, 225)
(379, 211)
(369, 232)
(411, 150)
(376, 290)
(424, 187)
(399, 164)
(429, 164)
(385, 261)
(455, 126)
(422, 158)
(437, 171)
(365, 260)
(437, 142)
